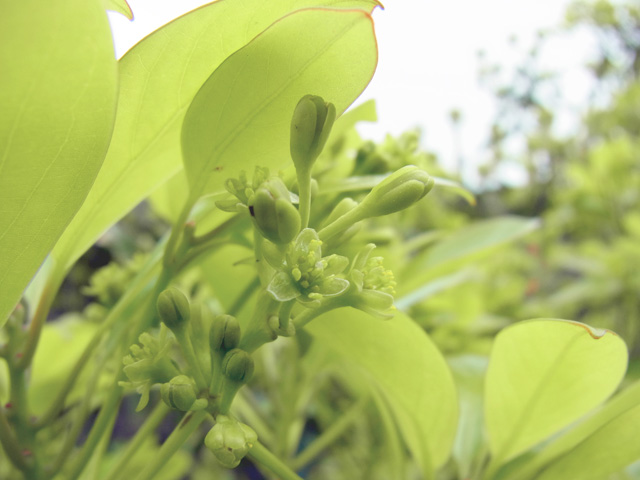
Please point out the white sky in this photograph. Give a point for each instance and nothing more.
(427, 63)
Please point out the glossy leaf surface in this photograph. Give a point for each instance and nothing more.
(242, 114)
(158, 79)
(57, 96)
(544, 375)
(398, 356)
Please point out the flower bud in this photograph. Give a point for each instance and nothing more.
(230, 441)
(224, 334)
(173, 308)
(398, 191)
(345, 205)
(180, 394)
(310, 127)
(238, 366)
(273, 212)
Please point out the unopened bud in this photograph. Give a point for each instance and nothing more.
(230, 441)
(173, 308)
(273, 212)
(225, 333)
(180, 394)
(398, 191)
(238, 365)
(310, 127)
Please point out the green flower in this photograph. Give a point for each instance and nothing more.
(373, 286)
(148, 364)
(306, 275)
(242, 190)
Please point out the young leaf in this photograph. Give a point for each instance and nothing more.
(398, 356)
(543, 375)
(241, 115)
(58, 94)
(158, 79)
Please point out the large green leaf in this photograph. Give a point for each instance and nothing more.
(158, 79)
(398, 356)
(58, 94)
(610, 449)
(241, 116)
(622, 406)
(544, 375)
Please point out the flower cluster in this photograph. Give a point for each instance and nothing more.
(148, 364)
(306, 275)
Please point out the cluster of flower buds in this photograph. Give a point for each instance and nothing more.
(268, 202)
(230, 440)
(148, 364)
(199, 380)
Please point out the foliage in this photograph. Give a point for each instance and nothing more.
(308, 312)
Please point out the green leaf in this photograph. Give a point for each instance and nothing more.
(61, 345)
(120, 6)
(456, 188)
(365, 112)
(610, 449)
(241, 116)
(619, 406)
(158, 79)
(58, 93)
(399, 357)
(543, 375)
(460, 248)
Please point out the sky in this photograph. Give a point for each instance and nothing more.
(428, 63)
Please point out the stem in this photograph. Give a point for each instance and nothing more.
(39, 318)
(330, 435)
(10, 444)
(310, 313)
(151, 423)
(245, 408)
(78, 423)
(93, 469)
(189, 424)
(259, 453)
(176, 232)
(20, 419)
(139, 285)
(341, 223)
(207, 237)
(258, 331)
(107, 412)
(304, 195)
(186, 346)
